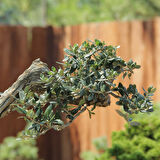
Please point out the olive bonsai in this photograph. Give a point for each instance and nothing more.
(52, 99)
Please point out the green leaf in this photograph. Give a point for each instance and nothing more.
(82, 102)
(132, 89)
(48, 110)
(26, 89)
(53, 69)
(94, 107)
(129, 75)
(91, 97)
(73, 68)
(98, 42)
(90, 113)
(89, 55)
(130, 62)
(124, 115)
(58, 122)
(124, 75)
(22, 95)
(74, 111)
(151, 89)
(38, 112)
(21, 110)
(137, 66)
(69, 52)
(66, 59)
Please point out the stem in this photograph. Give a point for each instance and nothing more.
(114, 95)
(58, 128)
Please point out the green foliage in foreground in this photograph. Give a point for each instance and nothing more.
(87, 78)
(136, 142)
(14, 148)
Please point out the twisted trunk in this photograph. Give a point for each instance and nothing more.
(30, 76)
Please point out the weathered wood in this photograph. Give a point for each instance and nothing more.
(30, 77)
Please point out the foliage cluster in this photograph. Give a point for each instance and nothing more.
(14, 149)
(138, 142)
(69, 12)
(87, 78)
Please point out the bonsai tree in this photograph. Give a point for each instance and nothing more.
(139, 142)
(52, 99)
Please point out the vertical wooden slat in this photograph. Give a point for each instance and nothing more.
(13, 60)
(148, 62)
(5, 40)
(124, 29)
(137, 51)
(39, 44)
(156, 30)
(67, 36)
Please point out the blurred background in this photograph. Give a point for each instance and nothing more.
(71, 12)
(31, 29)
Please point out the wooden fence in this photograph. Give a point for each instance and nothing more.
(19, 46)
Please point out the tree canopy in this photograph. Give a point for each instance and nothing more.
(54, 98)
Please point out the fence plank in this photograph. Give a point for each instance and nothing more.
(156, 30)
(148, 63)
(13, 60)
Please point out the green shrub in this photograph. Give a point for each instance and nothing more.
(139, 141)
(14, 148)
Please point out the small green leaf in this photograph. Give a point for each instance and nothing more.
(94, 107)
(137, 66)
(53, 69)
(69, 52)
(89, 55)
(124, 115)
(21, 110)
(22, 95)
(48, 110)
(82, 102)
(38, 112)
(66, 59)
(74, 111)
(124, 75)
(90, 97)
(73, 68)
(129, 75)
(82, 92)
(58, 122)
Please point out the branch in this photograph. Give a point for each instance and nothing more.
(31, 77)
